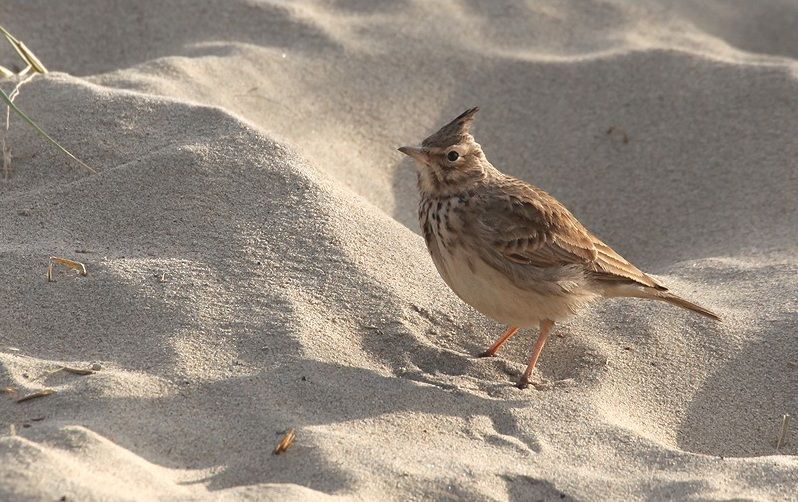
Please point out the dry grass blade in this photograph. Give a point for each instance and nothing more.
(66, 369)
(37, 394)
(36, 66)
(38, 129)
(285, 443)
(24, 52)
(785, 429)
(6, 147)
(78, 371)
(74, 265)
(32, 60)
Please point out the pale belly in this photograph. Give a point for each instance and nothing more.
(494, 295)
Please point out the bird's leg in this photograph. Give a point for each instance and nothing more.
(545, 328)
(510, 331)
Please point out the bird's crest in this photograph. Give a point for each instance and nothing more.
(454, 132)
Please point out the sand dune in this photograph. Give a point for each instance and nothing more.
(255, 265)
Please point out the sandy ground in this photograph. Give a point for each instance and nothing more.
(255, 265)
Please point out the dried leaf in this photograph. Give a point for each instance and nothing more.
(74, 265)
(285, 443)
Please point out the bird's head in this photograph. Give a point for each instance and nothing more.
(449, 161)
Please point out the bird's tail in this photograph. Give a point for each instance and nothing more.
(681, 302)
(639, 291)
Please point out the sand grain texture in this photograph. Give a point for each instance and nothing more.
(255, 265)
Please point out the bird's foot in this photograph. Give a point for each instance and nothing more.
(524, 382)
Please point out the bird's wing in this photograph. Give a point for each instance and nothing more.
(526, 225)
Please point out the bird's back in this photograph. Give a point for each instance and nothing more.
(526, 225)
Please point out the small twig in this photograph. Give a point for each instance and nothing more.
(8, 390)
(286, 442)
(785, 428)
(37, 394)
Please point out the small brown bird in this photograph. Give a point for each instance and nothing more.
(511, 250)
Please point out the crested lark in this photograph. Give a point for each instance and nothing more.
(509, 249)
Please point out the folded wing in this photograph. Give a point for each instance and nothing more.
(526, 225)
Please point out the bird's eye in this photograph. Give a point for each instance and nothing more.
(452, 156)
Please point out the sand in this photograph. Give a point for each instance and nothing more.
(255, 265)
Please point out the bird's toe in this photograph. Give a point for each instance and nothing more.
(541, 384)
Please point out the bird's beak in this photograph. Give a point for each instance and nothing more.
(419, 154)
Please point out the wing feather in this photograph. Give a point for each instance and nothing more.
(528, 226)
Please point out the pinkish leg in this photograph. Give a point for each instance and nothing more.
(545, 328)
(510, 331)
